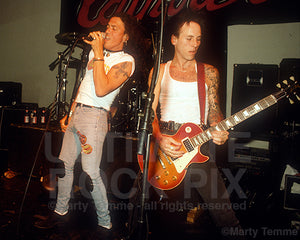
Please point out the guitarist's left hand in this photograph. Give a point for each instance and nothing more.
(219, 137)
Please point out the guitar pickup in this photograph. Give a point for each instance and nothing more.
(187, 144)
(166, 157)
(161, 162)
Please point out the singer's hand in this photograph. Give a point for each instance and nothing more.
(63, 124)
(96, 43)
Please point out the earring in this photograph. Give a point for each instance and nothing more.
(125, 43)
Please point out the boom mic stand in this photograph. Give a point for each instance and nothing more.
(145, 132)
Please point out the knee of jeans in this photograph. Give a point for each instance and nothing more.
(89, 183)
(62, 171)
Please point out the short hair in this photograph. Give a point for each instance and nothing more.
(173, 27)
(185, 16)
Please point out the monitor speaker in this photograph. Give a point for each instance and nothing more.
(251, 83)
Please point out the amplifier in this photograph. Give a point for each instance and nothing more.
(10, 93)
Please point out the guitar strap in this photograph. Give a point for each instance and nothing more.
(201, 90)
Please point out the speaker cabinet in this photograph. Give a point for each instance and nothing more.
(251, 83)
(10, 93)
(8, 116)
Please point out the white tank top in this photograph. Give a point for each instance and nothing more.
(87, 93)
(179, 101)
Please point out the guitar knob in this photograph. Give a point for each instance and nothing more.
(166, 173)
(174, 178)
(157, 177)
(166, 182)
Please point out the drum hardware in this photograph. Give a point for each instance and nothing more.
(60, 107)
(70, 38)
(73, 63)
(125, 109)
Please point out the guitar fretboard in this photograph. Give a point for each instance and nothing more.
(234, 119)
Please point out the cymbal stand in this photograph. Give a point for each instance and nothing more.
(79, 78)
(59, 107)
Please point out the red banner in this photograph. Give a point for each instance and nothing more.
(142, 8)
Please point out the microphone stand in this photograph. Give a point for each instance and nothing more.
(145, 132)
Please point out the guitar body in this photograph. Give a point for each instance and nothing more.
(166, 173)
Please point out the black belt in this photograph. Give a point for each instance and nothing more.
(88, 106)
(169, 126)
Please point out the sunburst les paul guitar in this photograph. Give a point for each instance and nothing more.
(166, 173)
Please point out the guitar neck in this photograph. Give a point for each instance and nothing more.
(235, 119)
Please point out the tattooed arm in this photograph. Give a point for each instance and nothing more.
(117, 75)
(214, 111)
(212, 81)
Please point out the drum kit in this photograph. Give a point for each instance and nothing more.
(127, 107)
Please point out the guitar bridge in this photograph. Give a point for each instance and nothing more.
(187, 144)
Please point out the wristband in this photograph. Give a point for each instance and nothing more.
(98, 59)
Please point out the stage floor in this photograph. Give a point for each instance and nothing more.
(272, 223)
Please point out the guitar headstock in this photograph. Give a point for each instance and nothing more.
(290, 89)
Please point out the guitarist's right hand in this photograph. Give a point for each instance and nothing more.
(170, 146)
(63, 124)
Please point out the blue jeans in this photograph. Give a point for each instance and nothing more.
(85, 135)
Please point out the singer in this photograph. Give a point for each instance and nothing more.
(108, 68)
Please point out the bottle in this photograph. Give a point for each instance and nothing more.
(33, 117)
(43, 116)
(26, 116)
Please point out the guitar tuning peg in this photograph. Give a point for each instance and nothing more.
(291, 101)
(292, 78)
(297, 96)
(285, 82)
(278, 85)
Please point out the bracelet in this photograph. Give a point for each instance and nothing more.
(98, 59)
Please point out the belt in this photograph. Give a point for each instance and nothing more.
(169, 126)
(88, 106)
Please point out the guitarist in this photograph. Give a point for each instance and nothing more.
(176, 93)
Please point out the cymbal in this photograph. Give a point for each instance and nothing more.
(69, 38)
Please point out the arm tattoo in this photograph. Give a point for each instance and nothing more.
(212, 80)
(121, 70)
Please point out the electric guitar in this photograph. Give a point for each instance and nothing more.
(166, 173)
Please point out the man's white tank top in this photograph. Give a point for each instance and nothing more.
(179, 101)
(87, 93)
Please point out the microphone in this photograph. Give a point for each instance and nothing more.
(90, 38)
